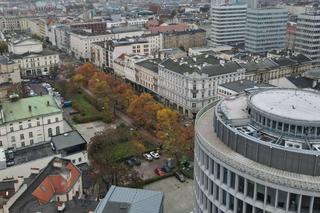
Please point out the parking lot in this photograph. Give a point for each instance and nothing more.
(178, 197)
(146, 169)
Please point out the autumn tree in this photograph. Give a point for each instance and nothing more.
(143, 109)
(3, 47)
(176, 138)
(104, 152)
(87, 70)
(107, 114)
(98, 84)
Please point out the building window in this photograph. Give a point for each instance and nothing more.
(38, 123)
(49, 121)
(29, 125)
(1, 143)
(57, 119)
(241, 184)
(31, 142)
(13, 139)
(194, 105)
(57, 130)
(11, 129)
(250, 188)
(20, 127)
(50, 132)
(23, 144)
(21, 136)
(30, 134)
(282, 198)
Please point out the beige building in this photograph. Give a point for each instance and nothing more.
(9, 77)
(185, 39)
(266, 69)
(148, 76)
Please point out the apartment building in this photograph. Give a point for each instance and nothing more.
(81, 41)
(184, 39)
(9, 76)
(59, 36)
(29, 121)
(264, 70)
(33, 60)
(115, 48)
(188, 84)
(125, 66)
(148, 76)
(9, 23)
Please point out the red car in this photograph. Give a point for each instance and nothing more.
(159, 171)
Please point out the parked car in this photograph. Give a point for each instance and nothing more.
(166, 168)
(133, 162)
(10, 163)
(32, 93)
(10, 154)
(147, 156)
(159, 172)
(155, 154)
(180, 177)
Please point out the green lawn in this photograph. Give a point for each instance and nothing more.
(88, 112)
(84, 106)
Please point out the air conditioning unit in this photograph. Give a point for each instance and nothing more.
(293, 145)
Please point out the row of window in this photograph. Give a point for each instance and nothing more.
(222, 184)
(21, 127)
(291, 129)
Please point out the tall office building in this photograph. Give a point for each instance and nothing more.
(228, 23)
(259, 152)
(308, 34)
(266, 26)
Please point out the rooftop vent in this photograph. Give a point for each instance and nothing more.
(30, 108)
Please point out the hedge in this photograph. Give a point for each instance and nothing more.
(86, 119)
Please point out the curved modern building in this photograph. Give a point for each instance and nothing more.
(259, 152)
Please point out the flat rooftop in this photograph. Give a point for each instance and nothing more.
(289, 103)
(67, 140)
(205, 132)
(19, 110)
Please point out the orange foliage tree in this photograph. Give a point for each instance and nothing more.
(87, 71)
(143, 109)
(176, 138)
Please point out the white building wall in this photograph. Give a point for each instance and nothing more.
(26, 169)
(30, 131)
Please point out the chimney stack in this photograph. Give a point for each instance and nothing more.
(48, 103)
(30, 108)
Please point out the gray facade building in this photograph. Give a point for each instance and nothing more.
(308, 34)
(265, 29)
(228, 24)
(259, 152)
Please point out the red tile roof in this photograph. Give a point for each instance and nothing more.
(169, 28)
(57, 183)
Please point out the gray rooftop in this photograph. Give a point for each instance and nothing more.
(128, 200)
(45, 52)
(67, 140)
(240, 86)
(150, 64)
(206, 64)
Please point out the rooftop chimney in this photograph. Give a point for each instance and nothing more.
(30, 108)
(48, 103)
